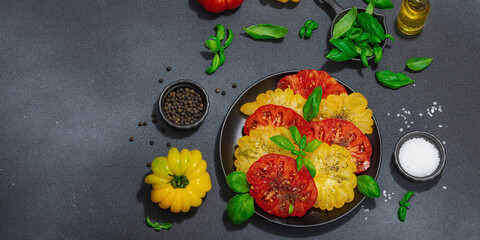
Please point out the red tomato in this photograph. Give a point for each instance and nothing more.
(277, 116)
(216, 6)
(345, 134)
(276, 184)
(305, 81)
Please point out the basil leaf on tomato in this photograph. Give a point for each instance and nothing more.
(310, 167)
(418, 64)
(240, 208)
(299, 162)
(368, 186)
(312, 145)
(312, 106)
(283, 142)
(266, 31)
(237, 181)
(295, 134)
(345, 23)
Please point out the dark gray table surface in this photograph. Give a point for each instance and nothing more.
(77, 76)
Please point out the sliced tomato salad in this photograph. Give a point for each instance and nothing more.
(305, 81)
(277, 116)
(277, 186)
(345, 134)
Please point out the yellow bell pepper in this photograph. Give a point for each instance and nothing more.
(180, 180)
(284, 1)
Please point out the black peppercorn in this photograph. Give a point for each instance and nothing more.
(144, 123)
(168, 144)
(160, 80)
(217, 90)
(169, 68)
(152, 142)
(234, 85)
(140, 124)
(223, 93)
(131, 139)
(149, 164)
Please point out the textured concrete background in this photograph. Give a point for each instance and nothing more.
(77, 76)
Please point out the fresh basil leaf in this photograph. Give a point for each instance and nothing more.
(337, 55)
(220, 31)
(290, 209)
(404, 204)
(295, 134)
(418, 64)
(345, 23)
(296, 152)
(229, 39)
(407, 196)
(363, 57)
(215, 64)
(393, 80)
(222, 57)
(266, 31)
(371, 25)
(382, 4)
(310, 167)
(240, 208)
(303, 142)
(299, 163)
(165, 226)
(282, 142)
(368, 187)
(389, 36)
(312, 106)
(313, 25)
(373, 39)
(370, 7)
(312, 145)
(346, 47)
(149, 223)
(212, 45)
(377, 50)
(402, 212)
(308, 32)
(237, 181)
(362, 37)
(301, 34)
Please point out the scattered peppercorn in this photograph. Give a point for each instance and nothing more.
(152, 142)
(154, 120)
(168, 144)
(163, 129)
(160, 80)
(131, 139)
(169, 68)
(234, 85)
(140, 124)
(154, 115)
(217, 90)
(144, 123)
(149, 164)
(224, 92)
(183, 106)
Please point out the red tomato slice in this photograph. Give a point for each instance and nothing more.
(345, 134)
(276, 184)
(277, 116)
(305, 81)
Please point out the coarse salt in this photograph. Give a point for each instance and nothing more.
(418, 157)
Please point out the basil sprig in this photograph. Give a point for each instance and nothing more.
(404, 204)
(266, 31)
(358, 35)
(157, 225)
(312, 105)
(368, 186)
(382, 4)
(418, 64)
(307, 29)
(241, 207)
(393, 80)
(301, 141)
(214, 45)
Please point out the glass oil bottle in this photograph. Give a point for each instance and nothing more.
(412, 16)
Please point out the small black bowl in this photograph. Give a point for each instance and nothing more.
(432, 139)
(181, 84)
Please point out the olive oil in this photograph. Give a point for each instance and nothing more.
(412, 16)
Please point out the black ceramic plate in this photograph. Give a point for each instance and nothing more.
(232, 130)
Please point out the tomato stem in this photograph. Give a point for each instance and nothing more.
(179, 181)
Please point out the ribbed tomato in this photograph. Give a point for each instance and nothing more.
(277, 116)
(305, 81)
(277, 186)
(345, 134)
